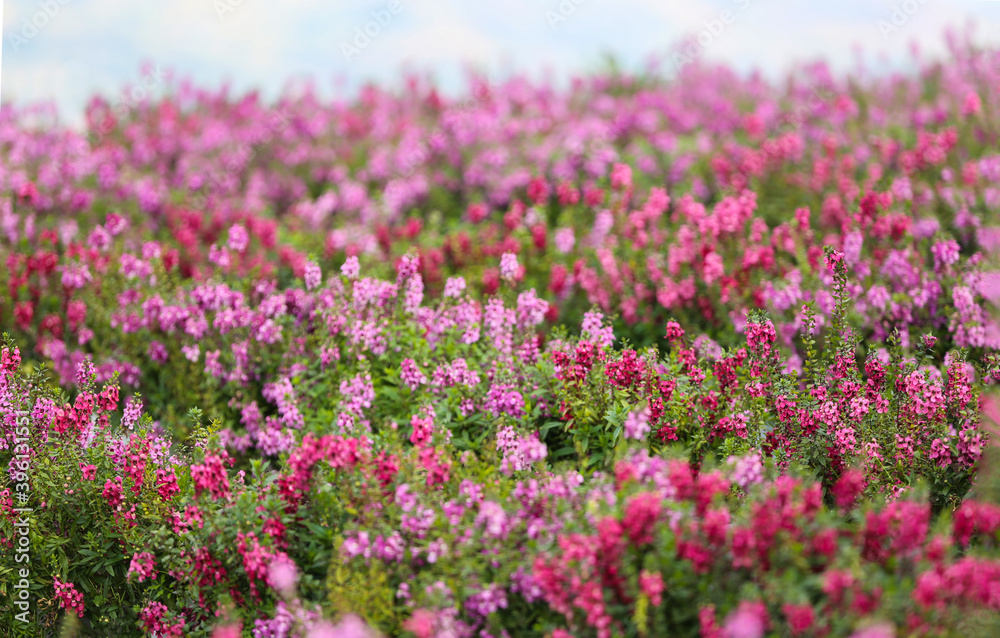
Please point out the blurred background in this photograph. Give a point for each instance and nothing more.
(68, 50)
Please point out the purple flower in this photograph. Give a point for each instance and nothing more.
(157, 352)
(132, 412)
(133, 267)
(593, 327)
(748, 470)
(530, 309)
(411, 375)
(454, 287)
(492, 517)
(238, 238)
(351, 269)
(503, 398)
(508, 267)
(637, 424)
(219, 256)
(76, 276)
(313, 275)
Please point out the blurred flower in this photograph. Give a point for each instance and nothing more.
(508, 267)
(637, 423)
(351, 269)
(282, 575)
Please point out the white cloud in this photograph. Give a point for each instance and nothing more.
(99, 45)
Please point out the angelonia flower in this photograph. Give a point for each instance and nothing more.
(238, 238)
(313, 275)
(219, 256)
(797, 277)
(211, 476)
(228, 631)
(85, 371)
(282, 575)
(637, 423)
(508, 267)
(651, 584)
(158, 352)
(747, 470)
(411, 375)
(454, 287)
(132, 411)
(565, 239)
(406, 268)
(351, 268)
(594, 328)
(69, 598)
(748, 621)
(142, 567)
(350, 626)
(154, 619)
(621, 177)
(519, 452)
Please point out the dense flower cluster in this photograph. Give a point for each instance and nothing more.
(645, 198)
(69, 598)
(634, 357)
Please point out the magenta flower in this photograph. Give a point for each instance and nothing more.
(142, 567)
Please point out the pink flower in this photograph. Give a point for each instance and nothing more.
(748, 621)
(142, 567)
(238, 238)
(69, 598)
(351, 269)
(166, 484)
(621, 177)
(848, 487)
(565, 239)
(313, 275)
(219, 256)
(113, 492)
(641, 514)
(228, 631)
(881, 630)
(157, 352)
(454, 287)
(153, 620)
(800, 617)
(132, 412)
(508, 267)
(651, 584)
(411, 375)
(211, 476)
(637, 424)
(283, 575)
(834, 259)
(420, 623)
(972, 104)
(714, 268)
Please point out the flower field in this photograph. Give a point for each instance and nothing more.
(710, 356)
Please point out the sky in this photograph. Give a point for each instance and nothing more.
(67, 51)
